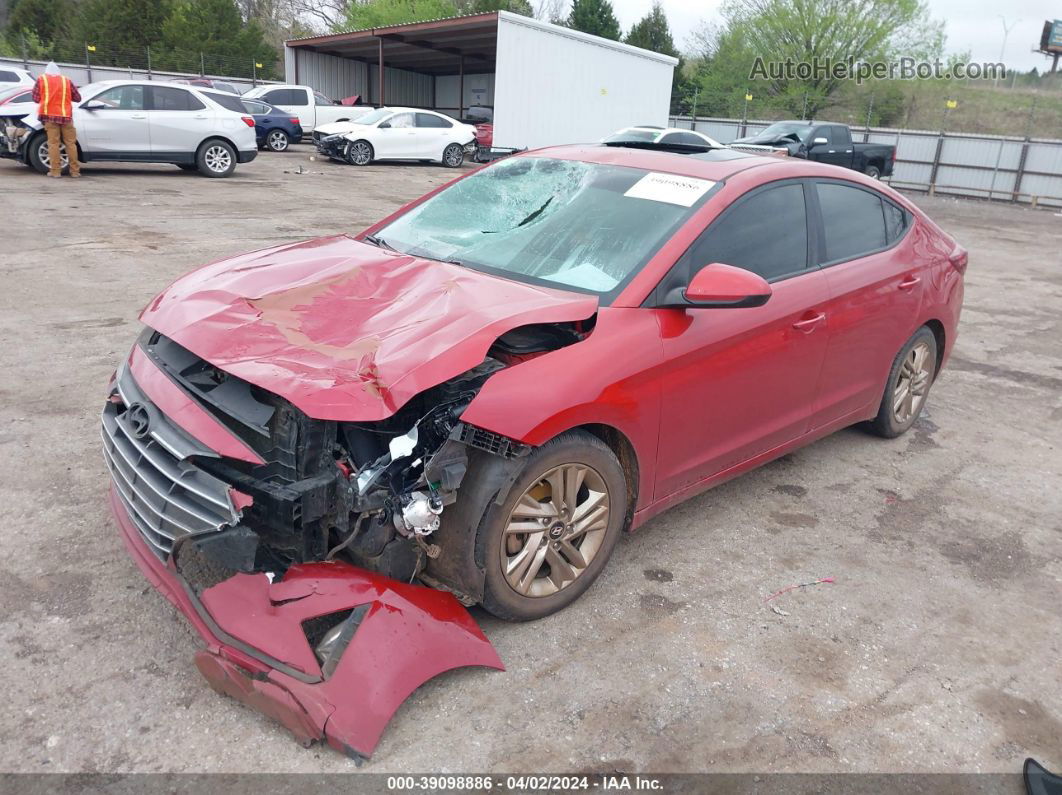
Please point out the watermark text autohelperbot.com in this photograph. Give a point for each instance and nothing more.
(850, 69)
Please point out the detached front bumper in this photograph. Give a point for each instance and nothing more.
(258, 652)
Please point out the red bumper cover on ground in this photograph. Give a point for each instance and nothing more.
(257, 650)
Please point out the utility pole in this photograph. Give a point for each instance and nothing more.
(1003, 49)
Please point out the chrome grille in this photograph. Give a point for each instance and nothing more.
(165, 496)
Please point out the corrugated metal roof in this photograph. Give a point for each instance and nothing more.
(398, 27)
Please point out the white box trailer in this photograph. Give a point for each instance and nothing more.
(547, 84)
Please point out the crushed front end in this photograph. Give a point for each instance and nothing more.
(290, 543)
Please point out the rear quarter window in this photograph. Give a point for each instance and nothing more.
(8, 77)
(229, 102)
(853, 220)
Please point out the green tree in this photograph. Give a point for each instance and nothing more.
(379, 13)
(118, 28)
(652, 32)
(483, 6)
(596, 17)
(215, 29)
(827, 31)
(47, 20)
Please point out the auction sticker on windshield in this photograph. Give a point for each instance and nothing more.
(670, 188)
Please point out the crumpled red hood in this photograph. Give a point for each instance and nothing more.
(345, 330)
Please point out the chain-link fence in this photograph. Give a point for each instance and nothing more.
(148, 60)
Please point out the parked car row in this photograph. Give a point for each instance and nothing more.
(141, 121)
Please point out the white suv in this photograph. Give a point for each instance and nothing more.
(141, 121)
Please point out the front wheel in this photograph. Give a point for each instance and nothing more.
(553, 534)
(216, 159)
(38, 154)
(906, 390)
(453, 156)
(277, 141)
(358, 153)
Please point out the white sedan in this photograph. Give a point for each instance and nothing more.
(662, 136)
(397, 134)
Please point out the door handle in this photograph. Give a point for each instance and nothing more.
(807, 325)
(204, 116)
(138, 116)
(909, 283)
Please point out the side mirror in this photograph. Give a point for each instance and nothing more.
(820, 141)
(720, 286)
(93, 105)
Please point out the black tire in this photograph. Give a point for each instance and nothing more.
(453, 156)
(887, 423)
(37, 151)
(187, 167)
(359, 153)
(215, 158)
(573, 447)
(873, 172)
(277, 141)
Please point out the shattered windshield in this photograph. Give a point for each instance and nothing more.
(798, 132)
(563, 222)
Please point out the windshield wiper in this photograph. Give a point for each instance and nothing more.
(379, 242)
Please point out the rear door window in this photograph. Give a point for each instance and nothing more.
(299, 96)
(8, 77)
(853, 221)
(431, 120)
(165, 98)
(840, 135)
(278, 96)
(256, 108)
(766, 233)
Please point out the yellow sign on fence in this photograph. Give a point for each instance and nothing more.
(748, 97)
(258, 66)
(90, 47)
(952, 104)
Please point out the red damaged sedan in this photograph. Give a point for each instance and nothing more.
(484, 390)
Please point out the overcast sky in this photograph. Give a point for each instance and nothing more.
(972, 25)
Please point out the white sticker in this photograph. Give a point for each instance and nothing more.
(670, 188)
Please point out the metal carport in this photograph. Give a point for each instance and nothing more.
(548, 84)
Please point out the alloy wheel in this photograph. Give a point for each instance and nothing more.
(46, 161)
(555, 530)
(277, 141)
(454, 155)
(912, 383)
(359, 153)
(218, 159)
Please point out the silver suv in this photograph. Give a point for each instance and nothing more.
(141, 121)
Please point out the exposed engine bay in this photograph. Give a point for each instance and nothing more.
(374, 494)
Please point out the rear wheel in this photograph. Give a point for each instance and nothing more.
(358, 153)
(906, 390)
(38, 154)
(453, 156)
(277, 141)
(216, 159)
(553, 534)
(873, 172)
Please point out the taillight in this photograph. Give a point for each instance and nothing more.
(959, 259)
(248, 120)
(295, 121)
(894, 154)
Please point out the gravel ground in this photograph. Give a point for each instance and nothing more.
(936, 649)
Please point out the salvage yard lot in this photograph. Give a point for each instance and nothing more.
(935, 649)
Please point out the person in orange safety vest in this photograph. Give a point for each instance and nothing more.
(56, 95)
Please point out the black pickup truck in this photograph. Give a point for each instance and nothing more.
(826, 142)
